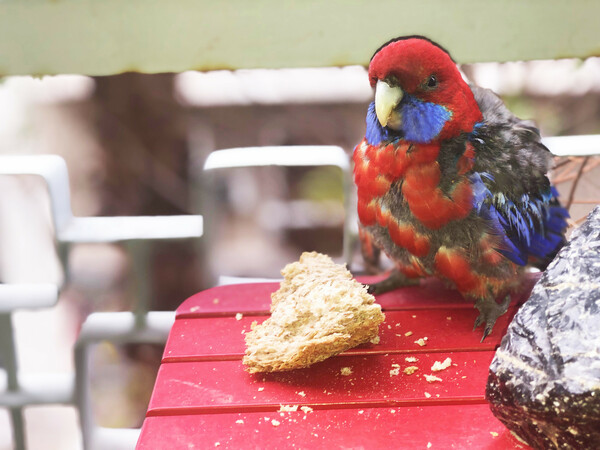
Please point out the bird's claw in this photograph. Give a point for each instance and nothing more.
(489, 311)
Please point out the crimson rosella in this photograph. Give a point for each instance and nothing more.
(451, 183)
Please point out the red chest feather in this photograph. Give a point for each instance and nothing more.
(377, 167)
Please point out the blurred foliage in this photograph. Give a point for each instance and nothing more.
(322, 183)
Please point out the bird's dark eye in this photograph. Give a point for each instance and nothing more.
(432, 82)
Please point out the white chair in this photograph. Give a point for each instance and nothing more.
(282, 156)
(124, 327)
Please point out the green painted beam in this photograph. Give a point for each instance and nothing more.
(100, 37)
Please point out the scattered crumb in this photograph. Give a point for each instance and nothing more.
(215, 301)
(306, 409)
(464, 376)
(393, 411)
(398, 324)
(275, 423)
(346, 371)
(395, 365)
(437, 395)
(301, 394)
(408, 333)
(389, 327)
(260, 389)
(427, 394)
(239, 421)
(422, 341)
(437, 366)
(217, 444)
(253, 325)
(375, 340)
(361, 411)
(395, 371)
(429, 445)
(410, 359)
(448, 318)
(194, 308)
(239, 316)
(414, 317)
(493, 433)
(288, 408)
(432, 378)
(410, 370)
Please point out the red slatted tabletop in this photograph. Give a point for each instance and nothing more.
(360, 399)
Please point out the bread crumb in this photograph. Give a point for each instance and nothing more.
(410, 359)
(239, 316)
(429, 445)
(285, 408)
(217, 444)
(389, 327)
(375, 340)
(275, 423)
(393, 411)
(493, 433)
(301, 394)
(194, 308)
(437, 366)
(410, 370)
(408, 333)
(216, 301)
(239, 421)
(414, 317)
(260, 389)
(345, 371)
(432, 378)
(306, 409)
(427, 394)
(448, 318)
(421, 341)
(395, 372)
(361, 411)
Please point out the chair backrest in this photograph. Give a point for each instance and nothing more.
(281, 156)
(53, 169)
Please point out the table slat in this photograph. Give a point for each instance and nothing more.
(210, 338)
(221, 386)
(415, 427)
(255, 298)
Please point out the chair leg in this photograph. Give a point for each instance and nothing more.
(18, 426)
(8, 352)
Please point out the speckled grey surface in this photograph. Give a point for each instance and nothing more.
(544, 381)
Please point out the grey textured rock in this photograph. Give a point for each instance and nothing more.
(544, 382)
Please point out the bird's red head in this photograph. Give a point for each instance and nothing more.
(418, 69)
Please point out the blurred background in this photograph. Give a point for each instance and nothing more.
(135, 144)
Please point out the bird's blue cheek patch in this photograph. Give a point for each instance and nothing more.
(375, 132)
(423, 121)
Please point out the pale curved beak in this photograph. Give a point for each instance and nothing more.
(387, 99)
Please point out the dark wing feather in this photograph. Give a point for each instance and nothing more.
(511, 188)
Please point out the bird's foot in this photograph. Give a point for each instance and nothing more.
(489, 311)
(394, 281)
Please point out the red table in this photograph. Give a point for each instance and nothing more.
(360, 399)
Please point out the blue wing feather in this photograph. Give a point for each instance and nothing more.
(531, 227)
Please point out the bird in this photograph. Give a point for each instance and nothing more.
(450, 183)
